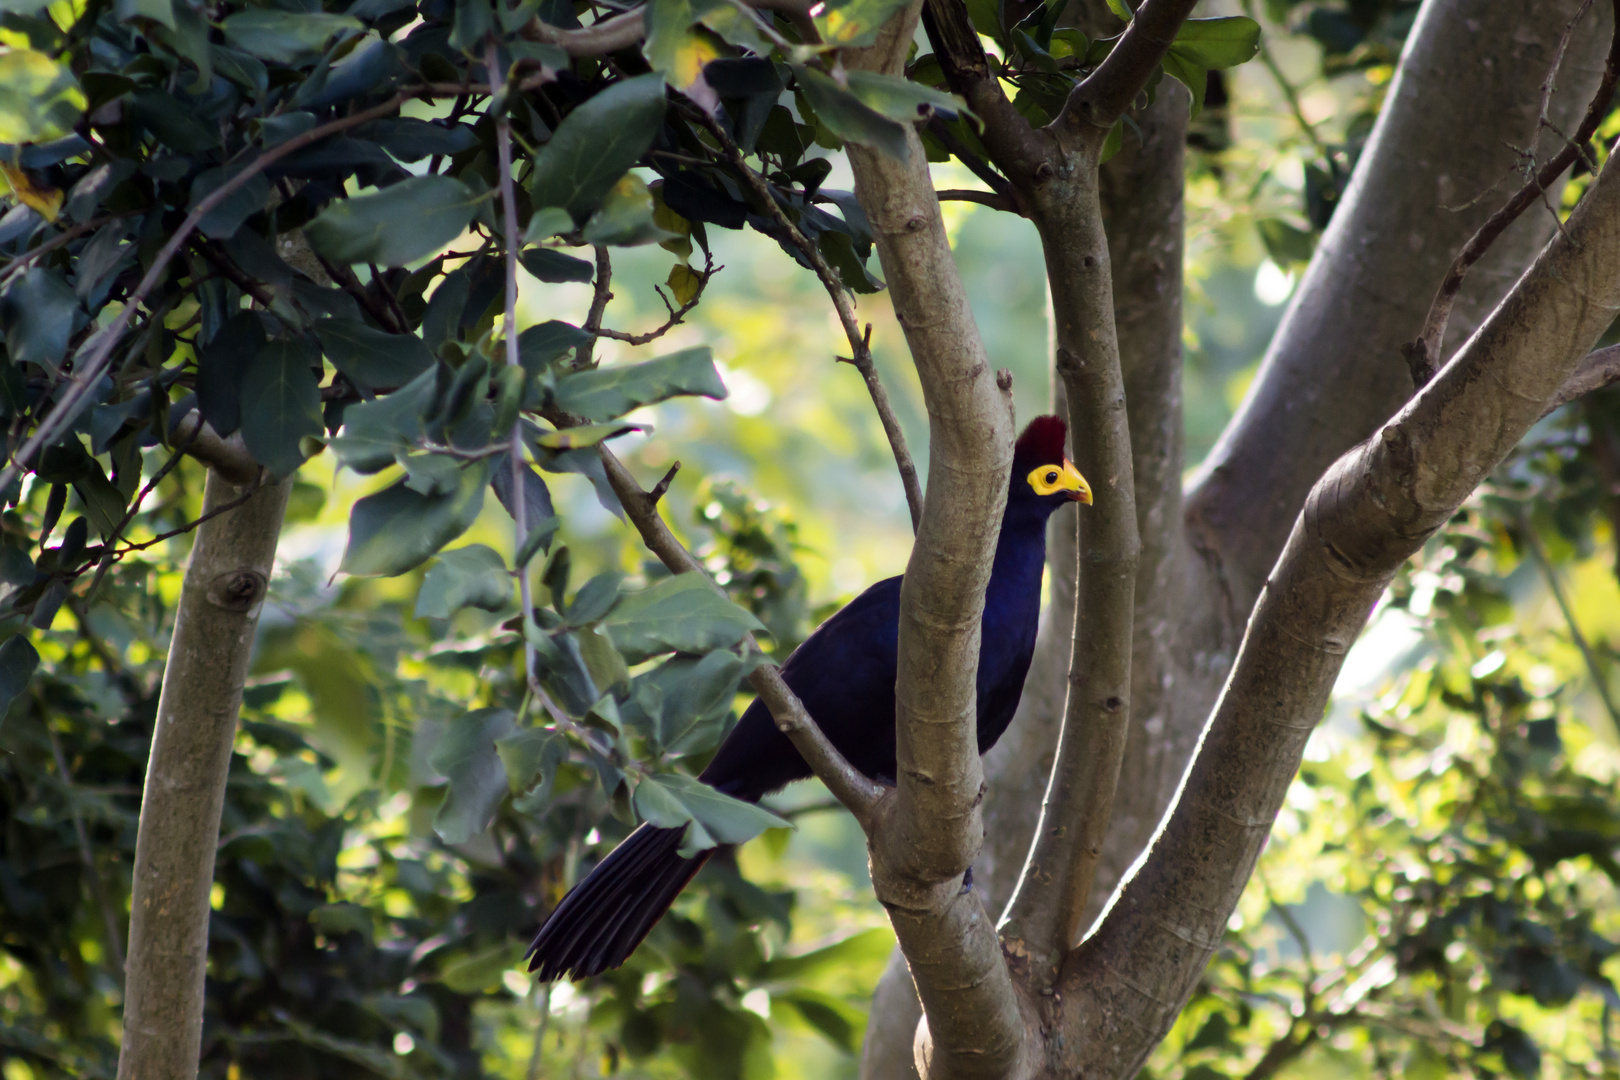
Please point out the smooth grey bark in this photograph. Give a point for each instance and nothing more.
(1440, 160)
(224, 588)
(1373, 509)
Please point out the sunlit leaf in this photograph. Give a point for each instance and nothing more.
(596, 144)
(397, 529)
(606, 392)
(473, 576)
(684, 613)
(397, 225)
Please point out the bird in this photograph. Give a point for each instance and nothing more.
(844, 673)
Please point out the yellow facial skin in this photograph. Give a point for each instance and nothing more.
(1049, 479)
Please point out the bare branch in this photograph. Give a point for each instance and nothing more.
(676, 315)
(848, 785)
(843, 303)
(1423, 355)
(1104, 95)
(983, 198)
(1599, 369)
(1375, 507)
(601, 293)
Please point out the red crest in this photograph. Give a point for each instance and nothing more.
(1042, 441)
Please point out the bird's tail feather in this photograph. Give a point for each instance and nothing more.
(602, 920)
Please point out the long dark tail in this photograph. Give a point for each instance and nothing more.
(602, 920)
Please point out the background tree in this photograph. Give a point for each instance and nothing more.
(228, 254)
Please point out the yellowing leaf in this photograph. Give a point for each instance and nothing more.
(39, 98)
(44, 199)
(684, 283)
(693, 53)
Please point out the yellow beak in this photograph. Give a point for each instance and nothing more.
(1074, 483)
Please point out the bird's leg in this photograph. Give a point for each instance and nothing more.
(967, 881)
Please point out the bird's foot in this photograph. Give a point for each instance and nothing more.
(967, 882)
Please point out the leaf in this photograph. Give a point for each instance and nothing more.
(397, 225)
(626, 216)
(684, 613)
(856, 22)
(585, 435)
(554, 267)
(594, 599)
(465, 755)
(608, 392)
(371, 358)
(545, 223)
(159, 11)
(596, 144)
(838, 1021)
(285, 37)
(540, 345)
(684, 283)
(18, 659)
(40, 99)
(539, 516)
(1194, 77)
(850, 118)
(397, 529)
(478, 972)
(227, 216)
(472, 576)
(410, 139)
(38, 311)
(531, 757)
(668, 800)
(281, 400)
(40, 197)
(1217, 43)
(870, 948)
(903, 100)
(679, 705)
(375, 432)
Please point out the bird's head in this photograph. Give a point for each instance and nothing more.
(1041, 476)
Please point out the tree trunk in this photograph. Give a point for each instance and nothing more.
(185, 779)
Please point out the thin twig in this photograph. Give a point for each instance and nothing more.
(848, 785)
(1594, 670)
(115, 940)
(543, 992)
(677, 315)
(1290, 95)
(516, 455)
(1424, 354)
(662, 487)
(601, 293)
(843, 303)
(983, 198)
(88, 373)
(21, 261)
(135, 508)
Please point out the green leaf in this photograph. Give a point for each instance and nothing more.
(471, 576)
(553, 266)
(40, 99)
(531, 757)
(545, 223)
(38, 310)
(479, 971)
(1119, 7)
(18, 659)
(221, 367)
(283, 404)
(465, 755)
(397, 225)
(431, 474)
(870, 948)
(1194, 77)
(1217, 43)
(668, 800)
(680, 705)
(903, 100)
(159, 11)
(684, 613)
(586, 435)
(375, 432)
(370, 358)
(594, 599)
(606, 392)
(850, 118)
(596, 144)
(840, 1022)
(626, 216)
(227, 216)
(540, 345)
(285, 37)
(856, 22)
(397, 529)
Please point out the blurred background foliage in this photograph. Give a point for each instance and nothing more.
(1438, 898)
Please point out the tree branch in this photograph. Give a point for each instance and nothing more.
(974, 1019)
(1046, 910)
(1374, 508)
(185, 779)
(1423, 355)
(848, 785)
(843, 303)
(622, 31)
(87, 371)
(1332, 373)
(1104, 95)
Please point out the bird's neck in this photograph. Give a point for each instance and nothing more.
(1020, 553)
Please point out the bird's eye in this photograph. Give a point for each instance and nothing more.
(1052, 477)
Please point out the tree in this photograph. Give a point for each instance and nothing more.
(218, 260)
